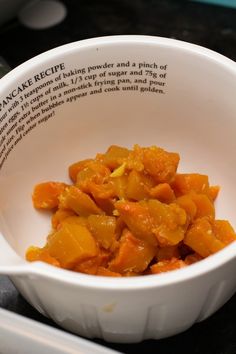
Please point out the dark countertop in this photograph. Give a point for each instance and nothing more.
(211, 26)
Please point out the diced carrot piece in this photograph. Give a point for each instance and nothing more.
(103, 229)
(138, 186)
(201, 238)
(81, 203)
(163, 192)
(75, 168)
(104, 272)
(187, 182)
(224, 231)
(167, 265)
(40, 254)
(46, 194)
(133, 255)
(213, 192)
(72, 244)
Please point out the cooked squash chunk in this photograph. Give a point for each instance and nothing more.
(103, 229)
(93, 173)
(41, 254)
(81, 203)
(134, 255)
(75, 168)
(138, 219)
(187, 182)
(167, 265)
(138, 186)
(127, 209)
(223, 231)
(46, 195)
(202, 239)
(72, 244)
(160, 164)
(163, 192)
(114, 157)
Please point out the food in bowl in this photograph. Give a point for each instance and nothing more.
(128, 213)
(195, 116)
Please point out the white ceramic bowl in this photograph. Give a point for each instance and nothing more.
(52, 122)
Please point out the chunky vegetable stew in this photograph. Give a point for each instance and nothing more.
(128, 213)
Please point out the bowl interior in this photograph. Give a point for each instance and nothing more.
(75, 101)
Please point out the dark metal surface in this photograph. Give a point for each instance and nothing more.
(210, 26)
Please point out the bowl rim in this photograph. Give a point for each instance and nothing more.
(205, 266)
(95, 42)
(94, 282)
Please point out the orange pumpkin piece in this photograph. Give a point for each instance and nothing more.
(223, 231)
(120, 186)
(71, 244)
(75, 219)
(103, 229)
(187, 182)
(59, 216)
(94, 172)
(213, 192)
(138, 186)
(186, 203)
(76, 167)
(46, 194)
(168, 222)
(201, 238)
(168, 252)
(167, 265)
(163, 192)
(138, 220)
(102, 191)
(40, 254)
(114, 156)
(81, 203)
(192, 258)
(205, 206)
(126, 208)
(102, 271)
(134, 255)
(106, 205)
(160, 164)
(92, 265)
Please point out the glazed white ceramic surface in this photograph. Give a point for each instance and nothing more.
(195, 117)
